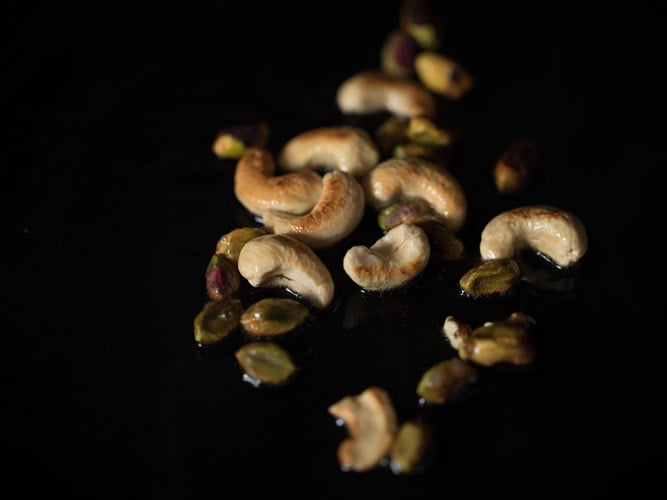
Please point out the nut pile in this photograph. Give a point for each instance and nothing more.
(313, 194)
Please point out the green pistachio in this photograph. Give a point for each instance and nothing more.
(216, 320)
(274, 316)
(265, 362)
(230, 243)
(391, 133)
(444, 243)
(446, 381)
(507, 341)
(222, 277)
(403, 212)
(232, 141)
(424, 131)
(493, 276)
(397, 55)
(411, 447)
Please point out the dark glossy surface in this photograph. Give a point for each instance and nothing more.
(112, 203)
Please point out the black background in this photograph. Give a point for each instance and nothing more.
(112, 202)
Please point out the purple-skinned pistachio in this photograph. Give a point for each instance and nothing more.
(223, 279)
(397, 56)
(417, 18)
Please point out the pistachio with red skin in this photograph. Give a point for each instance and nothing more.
(397, 56)
(216, 320)
(222, 277)
(515, 168)
(491, 277)
(231, 142)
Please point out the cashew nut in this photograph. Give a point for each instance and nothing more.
(392, 261)
(346, 148)
(372, 423)
(278, 260)
(258, 189)
(335, 215)
(372, 92)
(403, 179)
(554, 233)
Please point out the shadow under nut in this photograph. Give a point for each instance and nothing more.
(557, 234)
(335, 215)
(258, 188)
(399, 180)
(347, 148)
(392, 261)
(278, 260)
(374, 92)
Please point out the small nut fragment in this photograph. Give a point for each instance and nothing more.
(397, 55)
(222, 277)
(216, 320)
(556, 234)
(336, 214)
(392, 261)
(371, 92)
(417, 18)
(274, 316)
(398, 180)
(230, 243)
(346, 148)
(443, 75)
(372, 423)
(516, 167)
(258, 189)
(491, 277)
(412, 448)
(265, 362)
(456, 331)
(232, 141)
(507, 341)
(279, 260)
(446, 381)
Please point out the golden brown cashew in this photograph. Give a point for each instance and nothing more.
(557, 234)
(335, 215)
(258, 188)
(393, 260)
(346, 148)
(372, 92)
(403, 179)
(278, 260)
(372, 422)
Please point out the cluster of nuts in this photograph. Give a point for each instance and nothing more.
(314, 193)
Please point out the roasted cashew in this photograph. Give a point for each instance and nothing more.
(556, 234)
(258, 188)
(346, 148)
(372, 92)
(278, 260)
(392, 261)
(372, 423)
(335, 215)
(403, 179)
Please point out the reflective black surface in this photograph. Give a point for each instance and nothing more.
(112, 203)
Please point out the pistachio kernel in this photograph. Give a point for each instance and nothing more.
(222, 277)
(424, 131)
(424, 151)
(444, 243)
(403, 212)
(397, 56)
(491, 277)
(446, 381)
(265, 362)
(230, 244)
(411, 448)
(390, 133)
(416, 17)
(274, 316)
(507, 342)
(216, 320)
(231, 142)
(457, 332)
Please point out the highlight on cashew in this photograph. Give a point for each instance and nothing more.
(258, 188)
(347, 148)
(336, 214)
(398, 180)
(556, 234)
(392, 261)
(372, 423)
(278, 260)
(371, 92)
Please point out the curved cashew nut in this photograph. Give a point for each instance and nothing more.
(372, 422)
(278, 260)
(557, 234)
(335, 215)
(372, 92)
(393, 260)
(258, 189)
(346, 148)
(403, 179)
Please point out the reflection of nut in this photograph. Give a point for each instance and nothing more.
(258, 189)
(392, 261)
(336, 214)
(442, 75)
(402, 179)
(346, 148)
(373, 92)
(372, 423)
(278, 260)
(556, 234)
